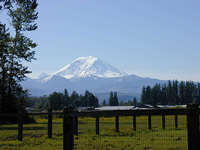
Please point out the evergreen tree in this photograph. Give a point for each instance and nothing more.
(115, 99)
(66, 98)
(169, 93)
(74, 98)
(143, 96)
(148, 98)
(135, 101)
(92, 101)
(89, 100)
(86, 98)
(110, 100)
(175, 93)
(172, 94)
(155, 95)
(182, 92)
(82, 101)
(56, 101)
(195, 94)
(198, 93)
(163, 98)
(104, 102)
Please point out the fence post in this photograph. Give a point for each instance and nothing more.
(76, 125)
(68, 137)
(117, 123)
(20, 125)
(49, 123)
(149, 121)
(176, 121)
(193, 127)
(97, 125)
(163, 121)
(134, 122)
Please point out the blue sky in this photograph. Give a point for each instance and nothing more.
(150, 38)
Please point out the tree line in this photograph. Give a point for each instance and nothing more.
(58, 100)
(113, 101)
(172, 93)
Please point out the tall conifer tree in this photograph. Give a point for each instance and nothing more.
(110, 100)
(115, 99)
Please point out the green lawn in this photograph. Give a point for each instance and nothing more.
(35, 135)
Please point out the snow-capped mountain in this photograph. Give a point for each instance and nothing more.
(89, 73)
(90, 66)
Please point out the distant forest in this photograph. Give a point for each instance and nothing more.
(173, 93)
(58, 100)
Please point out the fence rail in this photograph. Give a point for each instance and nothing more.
(70, 121)
(110, 113)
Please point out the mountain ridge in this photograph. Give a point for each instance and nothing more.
(86, 67)
(93, 78)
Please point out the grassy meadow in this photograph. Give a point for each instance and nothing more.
(35, 135)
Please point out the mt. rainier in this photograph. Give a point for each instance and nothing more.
(83, 67)
(89, 73)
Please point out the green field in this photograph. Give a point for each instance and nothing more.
(35, 135)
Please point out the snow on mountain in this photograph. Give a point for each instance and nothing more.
(90, 66)
(90, 73)
(43, 76)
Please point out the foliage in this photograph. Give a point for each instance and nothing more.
(38, 103)
(133, 102)
(104, 102)
(175, 93)
(113, 99)
(15, 49)
(57, 101)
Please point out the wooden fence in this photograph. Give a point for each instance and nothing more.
(117, 114)
(70, 122)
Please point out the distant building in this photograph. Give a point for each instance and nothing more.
(84, 108)
(115, 108)
(171, 106)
